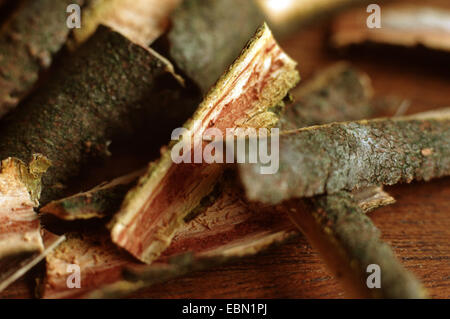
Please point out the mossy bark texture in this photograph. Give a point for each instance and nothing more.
(97, 96)
(349, 242)
(339, 92)
(352, 155)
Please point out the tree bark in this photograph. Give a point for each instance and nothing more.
(349, 242)
(247, 95)
(83, 106)
(352, 155)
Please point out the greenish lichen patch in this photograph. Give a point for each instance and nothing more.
(352, 155)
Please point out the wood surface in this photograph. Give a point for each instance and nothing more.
(417, 226)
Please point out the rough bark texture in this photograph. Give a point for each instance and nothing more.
(402, 24)
(347, 156)
(247, 95)
(349, 242)
(141, 21)
(28, 41)
(336, 225)
(230, 227)
(337, 93)
(207, 36)
(83, 106)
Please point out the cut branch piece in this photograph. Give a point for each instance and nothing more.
(28, 41)
(13, 268)
(19, 190)
(230, 229)
(101, 201)
(141, 21)
(337, 93)
(352, 155)
(349, 242)
(207, 36)
(255, 84)
(402, 24)
(93, 99)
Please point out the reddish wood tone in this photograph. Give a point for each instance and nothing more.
(417, 226)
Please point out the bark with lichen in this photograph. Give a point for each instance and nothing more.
(255, 227)
(349, 242)
(29, 39)
(352, 155)
(83, 106)
(230, 229)
(339, 92)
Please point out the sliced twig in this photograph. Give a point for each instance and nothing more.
(285, 16)
(230, 227)
(352, 155)
(94, 98)
(168, 192)
(349, 242)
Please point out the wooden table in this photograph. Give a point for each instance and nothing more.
(417, 226)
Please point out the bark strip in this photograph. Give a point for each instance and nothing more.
(101, 201)
(402, 24)
(95, 98)
(29, 39)
(352, 155)
(349, 242)
(230, 227)
(247, 95)
(336, 93)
